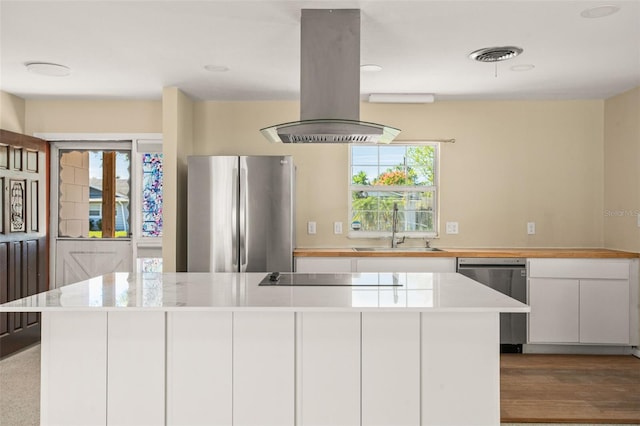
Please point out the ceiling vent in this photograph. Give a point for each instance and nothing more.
(330, 84)
(495, 54)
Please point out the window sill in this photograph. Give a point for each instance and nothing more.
(387, 235)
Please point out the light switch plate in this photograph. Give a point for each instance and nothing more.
(337, 227)
(451, 228)
(311, 228)
(638, 216)
(531, 228)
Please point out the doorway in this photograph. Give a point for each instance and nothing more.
(23, 234)
(105, 218)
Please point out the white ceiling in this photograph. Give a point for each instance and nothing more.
(132, 49)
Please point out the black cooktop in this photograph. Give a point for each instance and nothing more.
(324, 279)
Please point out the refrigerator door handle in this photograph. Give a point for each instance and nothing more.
(243, 219)
(234, 218)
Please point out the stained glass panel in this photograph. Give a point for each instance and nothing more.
(149, 264)
(152, 195)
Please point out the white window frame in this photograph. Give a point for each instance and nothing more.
(435, 188)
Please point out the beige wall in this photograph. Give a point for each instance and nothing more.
(622, 171)
(513, 162)
(93, 116)
(12, 112)
(177, 114)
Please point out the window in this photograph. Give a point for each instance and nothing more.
(92, 183)
(405, 175)
(152, 194)
(149, 245)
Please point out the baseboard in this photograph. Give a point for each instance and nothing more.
(580, 349)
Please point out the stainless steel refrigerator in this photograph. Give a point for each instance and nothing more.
(240, 213)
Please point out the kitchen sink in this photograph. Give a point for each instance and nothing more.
(397, 249)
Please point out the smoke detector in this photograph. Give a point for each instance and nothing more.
(495, 54)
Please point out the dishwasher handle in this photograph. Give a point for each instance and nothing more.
(475, 262)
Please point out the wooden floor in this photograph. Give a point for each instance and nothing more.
(569, 389)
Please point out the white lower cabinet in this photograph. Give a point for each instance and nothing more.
(199, 368)
(554, 316)
(390, 369)
(323, 264)
(375, 264)
(583, 301)
(270, 368)
(73, 368)
(406, 264)
(328, 368)
(264, 368)
(228, 368)
(460, 369)
(136, 368)
(401, 369)
(604, 313)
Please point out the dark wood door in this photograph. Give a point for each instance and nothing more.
(23, 234)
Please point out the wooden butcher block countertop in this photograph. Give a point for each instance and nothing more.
(594, 253)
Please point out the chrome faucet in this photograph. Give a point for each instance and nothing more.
(394, 225)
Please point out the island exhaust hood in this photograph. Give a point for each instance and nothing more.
(330, 84)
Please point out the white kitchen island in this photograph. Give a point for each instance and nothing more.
(218, 349)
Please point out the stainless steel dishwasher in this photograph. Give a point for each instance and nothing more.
(508, 276)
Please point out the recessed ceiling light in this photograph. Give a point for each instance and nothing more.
(370, 68)
(48, 69)
(600, 11)
(522, 67)
(216, 68)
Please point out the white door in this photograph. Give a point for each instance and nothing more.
(100, 218)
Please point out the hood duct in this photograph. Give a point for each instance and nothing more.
(330, 84)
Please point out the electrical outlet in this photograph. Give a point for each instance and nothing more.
(531, 228)
(337, 227)
(311, 228)
(452, 228)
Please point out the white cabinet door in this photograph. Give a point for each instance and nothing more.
(263, 368)
(328, 364)
(460, 376)
(73, 368)
(604, 311)
(323, 264)
(136, 368)
(390, 368)
(554, 316)
(406, 264)
(199, 368)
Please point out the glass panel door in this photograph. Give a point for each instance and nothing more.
(94, 194)
(91, 206)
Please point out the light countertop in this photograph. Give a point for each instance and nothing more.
(588, 253)
(423, 292)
